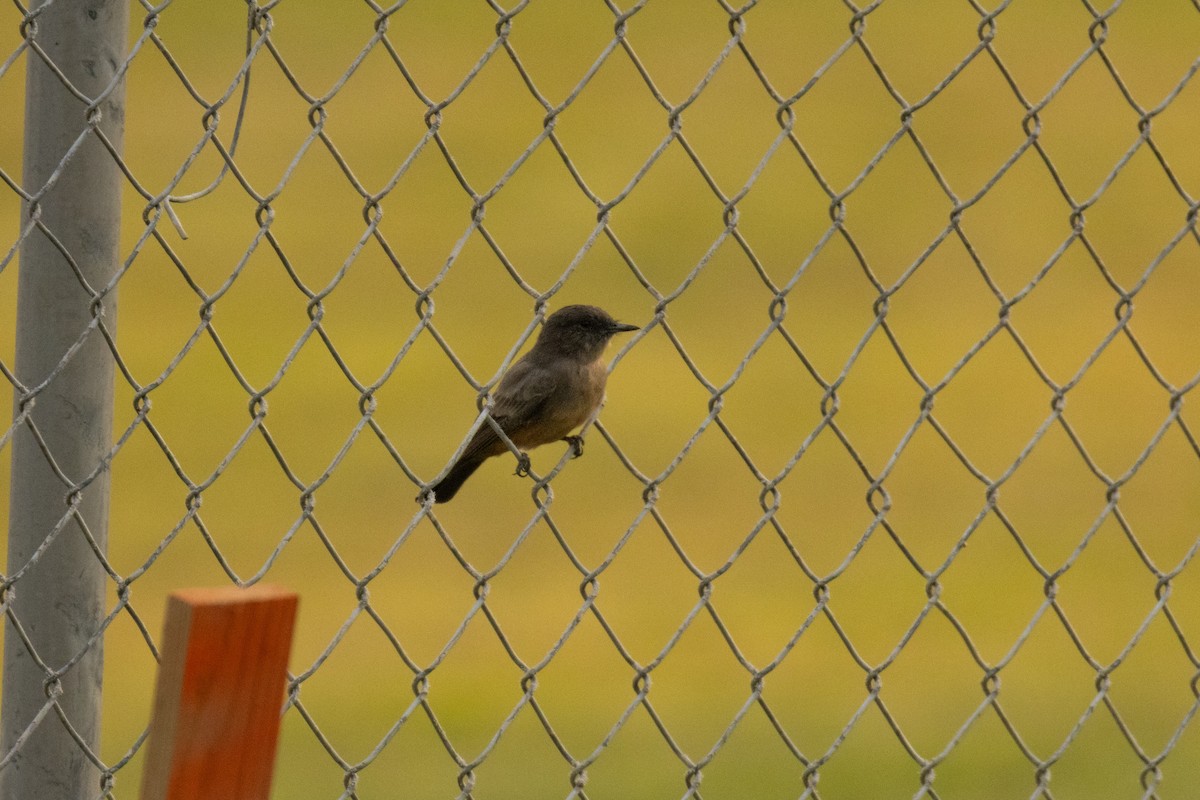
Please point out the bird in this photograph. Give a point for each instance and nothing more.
(553, 389)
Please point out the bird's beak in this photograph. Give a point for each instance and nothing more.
(623, 327)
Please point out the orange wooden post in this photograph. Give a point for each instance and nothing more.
(220, 690)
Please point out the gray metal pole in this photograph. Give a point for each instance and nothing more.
(59, 600)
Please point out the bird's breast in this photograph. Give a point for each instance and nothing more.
(578, 394)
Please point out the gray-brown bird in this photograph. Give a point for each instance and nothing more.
(556, 387)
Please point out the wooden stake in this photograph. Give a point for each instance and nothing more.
(220, 691)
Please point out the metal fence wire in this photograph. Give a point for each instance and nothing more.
(895, 491)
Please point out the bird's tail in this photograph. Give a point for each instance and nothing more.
(448, 486)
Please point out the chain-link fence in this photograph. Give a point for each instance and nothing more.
(895, 492)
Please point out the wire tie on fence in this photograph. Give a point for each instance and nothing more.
(675, 118)
(1058, 401)
(1005, 311)
(503, 26)
(74, 498)
(621, 22)
(317, 116)
(821, 593)
(211, 118)
(785, 116)
(777, 309)
(837, 210)
(372, 211)
(367, 403)
(1124, 309)
(433, 117)
(264, 208)
(830, 403)
(1152, 769)
(257, 407)
(1032, 119)
(29, 27)
(876, 490)
(308, 501)
(315, 310)
(858, 22)
(424, 305)
(881, 305)
(987, 26)
(770, 490)
(466, 780)
(542, 495)
(1099, 24)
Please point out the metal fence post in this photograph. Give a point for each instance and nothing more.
(59, 489)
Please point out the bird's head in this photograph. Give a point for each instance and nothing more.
(579, 331)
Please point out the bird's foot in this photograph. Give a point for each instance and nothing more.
(522, 465)
(576, 443)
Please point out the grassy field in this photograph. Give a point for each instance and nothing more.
(856, 680)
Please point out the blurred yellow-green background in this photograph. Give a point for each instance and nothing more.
(705, 283)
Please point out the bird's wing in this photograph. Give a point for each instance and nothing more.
(522, 394)
(519, 398)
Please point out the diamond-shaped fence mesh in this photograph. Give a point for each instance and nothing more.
(896, 490)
